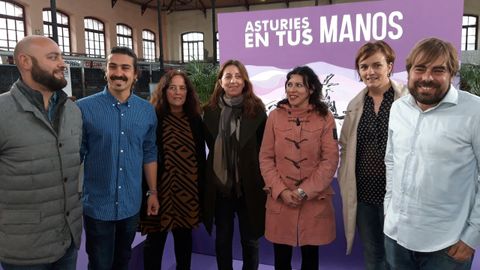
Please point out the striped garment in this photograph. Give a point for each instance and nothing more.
(178, 184)
(118, 139)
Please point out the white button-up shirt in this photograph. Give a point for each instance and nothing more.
(433, 162)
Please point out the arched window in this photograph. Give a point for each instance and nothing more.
(124, 36)
(63, 28)
(148, 43)
(469, 32)
(94, 38)
(192, 46)
(12, 25)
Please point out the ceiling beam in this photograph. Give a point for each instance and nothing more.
(204, 8)
(247, 5)
(169, 7)
(145, 6)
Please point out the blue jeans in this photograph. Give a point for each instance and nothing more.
(67, 262)
(370, 228)
(224, 216)
(109, 243)
(400, 258)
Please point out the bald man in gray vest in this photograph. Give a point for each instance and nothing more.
(40, 138)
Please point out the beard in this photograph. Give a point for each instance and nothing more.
(47, 79)
(427, 99)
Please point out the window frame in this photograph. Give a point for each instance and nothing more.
(61, 37)
(467, 29)
(147, 49)
(17, 20)
(102, 47)
(121, 37)
(191, 46)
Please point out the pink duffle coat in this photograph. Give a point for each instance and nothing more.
(299, 150)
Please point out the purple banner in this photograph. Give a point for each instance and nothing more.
(285, 38)
(326, 38)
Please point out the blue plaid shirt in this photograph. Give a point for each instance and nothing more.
(118, 139)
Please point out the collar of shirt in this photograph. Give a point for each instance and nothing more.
(36, 99)
(115, 101)
(451, 98)
(386, 94)
(52, 104)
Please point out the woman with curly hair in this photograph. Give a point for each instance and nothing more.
(181, 150)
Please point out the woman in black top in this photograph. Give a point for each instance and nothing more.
(234, 121)
(181, 149)
(363, 142)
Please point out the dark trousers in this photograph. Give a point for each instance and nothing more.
(400, 258)
(370, 228)
(225, 210)
(109, 243)
(155, 244)
(283, 257)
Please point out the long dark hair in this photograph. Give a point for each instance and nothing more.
(251, 103)
(191, 107)
(312, 83)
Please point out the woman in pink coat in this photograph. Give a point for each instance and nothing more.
(298, 159)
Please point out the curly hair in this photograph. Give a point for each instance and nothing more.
(311, 82)
(191, 107)
(251, 103)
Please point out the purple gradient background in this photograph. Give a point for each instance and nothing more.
(425, 18)
(422, 18)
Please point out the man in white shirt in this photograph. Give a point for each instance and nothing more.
(432, 204)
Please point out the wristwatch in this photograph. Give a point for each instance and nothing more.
(302, 193)
(151, 192)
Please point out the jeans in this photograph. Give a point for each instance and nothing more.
(370, 228)
(155, 244)
(67, 262)
(400, 258)
(224, 216)
(109, 243)
(283, 257)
